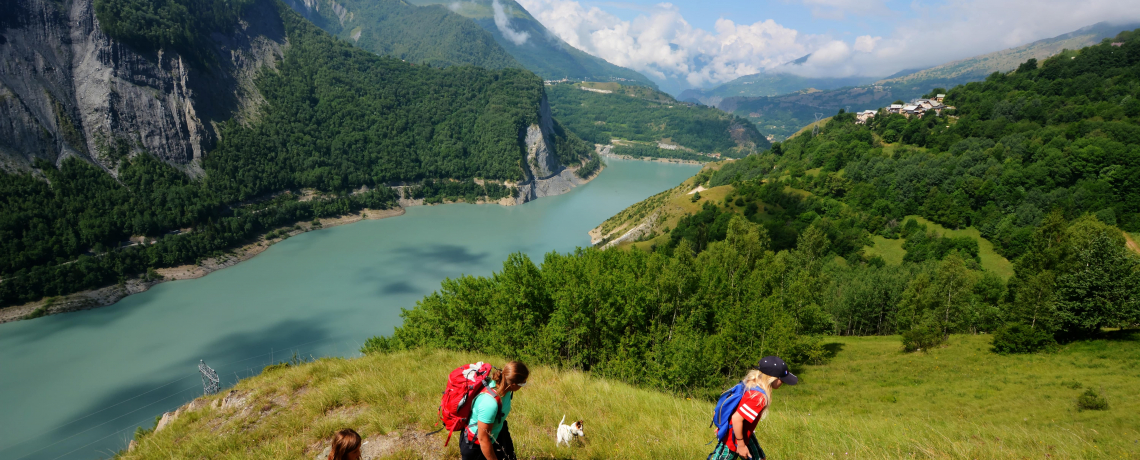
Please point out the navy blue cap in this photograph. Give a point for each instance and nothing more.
(776, 367)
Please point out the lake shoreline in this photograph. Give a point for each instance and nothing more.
(109, 295)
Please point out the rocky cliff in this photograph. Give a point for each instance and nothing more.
(67, 89)
(545, 175)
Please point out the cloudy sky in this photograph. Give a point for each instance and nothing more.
(702, 43)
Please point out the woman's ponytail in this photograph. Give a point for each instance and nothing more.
(511, 373)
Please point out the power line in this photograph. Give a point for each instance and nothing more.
(58, 427)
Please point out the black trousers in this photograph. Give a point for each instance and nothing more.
(504, 446)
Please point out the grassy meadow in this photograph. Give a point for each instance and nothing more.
(870, 401)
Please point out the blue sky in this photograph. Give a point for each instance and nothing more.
(703, 14)
(689, 43)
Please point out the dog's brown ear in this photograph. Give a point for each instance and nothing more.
(579, 424)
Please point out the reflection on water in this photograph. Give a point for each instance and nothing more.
(77, 385)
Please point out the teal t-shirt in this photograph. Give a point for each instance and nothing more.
(486, 410)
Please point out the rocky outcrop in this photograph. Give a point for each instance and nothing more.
(67, 89)
(545, 175)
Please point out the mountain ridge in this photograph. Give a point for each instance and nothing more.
(541, 51)
(783, 115)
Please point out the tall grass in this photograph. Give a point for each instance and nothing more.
(871, 401)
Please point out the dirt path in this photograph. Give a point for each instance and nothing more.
(1131, 243)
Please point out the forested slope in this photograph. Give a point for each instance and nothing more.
(333, 118)
(431, 35)
(601, 112)
(1041, 161)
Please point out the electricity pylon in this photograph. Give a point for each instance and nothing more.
(209, 378)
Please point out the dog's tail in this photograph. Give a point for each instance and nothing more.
(563, 419)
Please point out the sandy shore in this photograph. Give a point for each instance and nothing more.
(102, 297)
(658, 160)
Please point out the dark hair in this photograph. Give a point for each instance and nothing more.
(511, 373)
(345, 442)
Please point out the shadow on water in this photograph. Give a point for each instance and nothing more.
(399, 287)
(442, 253)
(106, 425)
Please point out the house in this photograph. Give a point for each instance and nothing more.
(895, 108)
(1117, 44)
(861, 118)
(910, 110)
(939, 97)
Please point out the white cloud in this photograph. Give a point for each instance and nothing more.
(660, 43)
(866, 43)
(503, 22)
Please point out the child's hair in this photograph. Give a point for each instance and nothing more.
(511, 373)
(345, 442)
(755, 378)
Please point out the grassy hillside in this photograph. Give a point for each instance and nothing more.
(892, 252)
(540, 51)
(869, 401)
(430, 35)
(785, 114)
(601, 112)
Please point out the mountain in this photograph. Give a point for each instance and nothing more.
(535, 47)
(767, 84)
(431, 35)
(196, 129)
(602, 112)
(785, 114)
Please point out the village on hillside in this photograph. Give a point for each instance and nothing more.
(917, 108)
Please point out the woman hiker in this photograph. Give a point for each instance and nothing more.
(770, 373)
(487, 436)
(345, 445)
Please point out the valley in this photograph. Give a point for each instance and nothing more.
(957, 278)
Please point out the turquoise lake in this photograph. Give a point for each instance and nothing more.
(76, 385)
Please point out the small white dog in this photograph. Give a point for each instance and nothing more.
(567, 433)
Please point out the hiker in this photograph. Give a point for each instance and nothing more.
(742, 407)
(345, 445)
(487, 436)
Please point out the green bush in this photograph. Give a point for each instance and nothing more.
(1021, 338)
(1091, 400)
(922, 337)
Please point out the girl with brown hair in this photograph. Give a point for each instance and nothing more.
(345, 445)
(487, 436)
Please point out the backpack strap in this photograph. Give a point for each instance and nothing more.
(498, 415)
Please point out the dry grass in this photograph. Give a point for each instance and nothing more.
(1130, 240)
(871, 401)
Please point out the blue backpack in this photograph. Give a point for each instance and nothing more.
(725, 406)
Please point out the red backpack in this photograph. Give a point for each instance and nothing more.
(463, 385)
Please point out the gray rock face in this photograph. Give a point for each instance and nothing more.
(67, 89)
(545, 175)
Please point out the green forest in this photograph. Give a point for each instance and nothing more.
(431, 35)
(642, 114)
(337, 119)
(1041, 161)
(182, 25)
